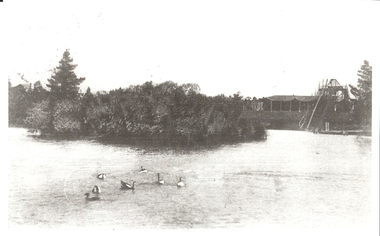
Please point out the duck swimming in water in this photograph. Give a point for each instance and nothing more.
(125, 185)
(160, 181)
(96, 189)
(180, 182)
(142, 170)
(91, 198)
(101, 176)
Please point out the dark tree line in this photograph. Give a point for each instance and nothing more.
(165, 112)
(21, 98)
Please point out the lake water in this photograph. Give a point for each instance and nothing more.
(291, 179)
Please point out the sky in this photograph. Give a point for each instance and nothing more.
(256, 48)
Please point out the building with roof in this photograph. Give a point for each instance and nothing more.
(330, 108)
(332, 89)
(289, 103)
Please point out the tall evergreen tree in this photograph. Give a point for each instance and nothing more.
(363, 92)
(364, 88)
(64, 84)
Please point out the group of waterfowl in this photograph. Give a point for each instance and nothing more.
(124, 185)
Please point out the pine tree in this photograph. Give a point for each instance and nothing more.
(64, 84)
(363, 92)
(365, 82)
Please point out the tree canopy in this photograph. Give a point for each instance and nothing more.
(364, 86)
(64, 83)
(363, 92)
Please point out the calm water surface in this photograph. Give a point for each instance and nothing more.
(292, 178)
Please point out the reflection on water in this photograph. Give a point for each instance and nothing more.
(293, 178)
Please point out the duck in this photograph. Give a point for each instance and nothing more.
(160, 181)
(91, 198)
(125, 185)
(96, 189)
(142, 170)
(180, 182)
(101, 176)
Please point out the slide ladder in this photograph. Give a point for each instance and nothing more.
(315, 107)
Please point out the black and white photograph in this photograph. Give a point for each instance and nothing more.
(150, 117)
